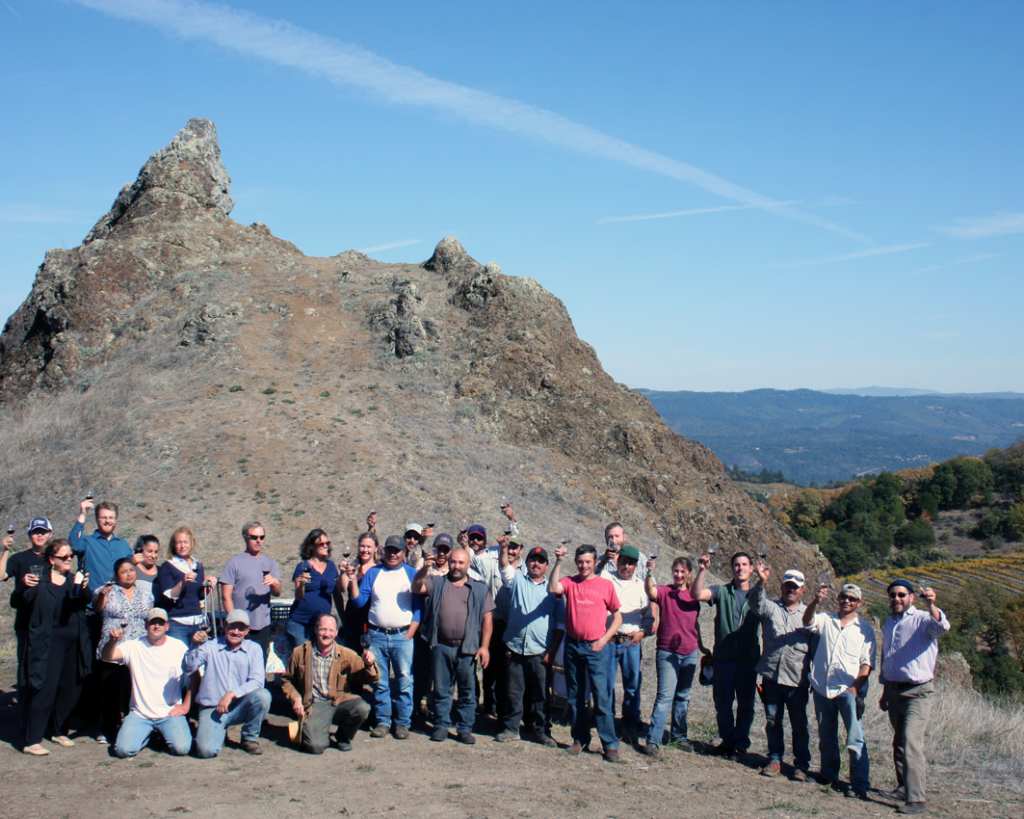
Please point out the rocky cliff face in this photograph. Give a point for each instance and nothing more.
(261, 381)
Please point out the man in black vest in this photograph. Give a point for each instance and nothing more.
(457, 625)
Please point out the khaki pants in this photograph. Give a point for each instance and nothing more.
(909, 710)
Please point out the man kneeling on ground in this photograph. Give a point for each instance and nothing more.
(233, 687)
(318, 682)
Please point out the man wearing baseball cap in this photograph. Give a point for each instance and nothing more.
(909, 651)
(392, 621)
(16, 565)
(232, 690)
(625, 649)
(531, 640)
(160, 696)
(839, 677)
(784, 668)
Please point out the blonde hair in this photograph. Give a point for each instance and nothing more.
(181, 530)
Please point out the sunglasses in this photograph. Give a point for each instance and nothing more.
(62, 557)
(255, 537)
(895, 596)
(477, 537)
(845, 598)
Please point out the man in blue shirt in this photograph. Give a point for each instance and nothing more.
(232, 690)
(100, 550)
(532, 642)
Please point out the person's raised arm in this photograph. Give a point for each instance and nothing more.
(554, 581)
(112, 651)
(503, 561)
(697, 590)
(8, 542)
(649, 587)
(419, 582)
(812, 607)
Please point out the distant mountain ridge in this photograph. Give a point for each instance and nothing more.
(903, 392)
(823, 436)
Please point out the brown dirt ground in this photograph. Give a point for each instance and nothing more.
(419, 778)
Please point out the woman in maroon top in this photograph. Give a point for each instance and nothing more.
(678, 646)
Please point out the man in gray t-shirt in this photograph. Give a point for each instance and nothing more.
(248, 582)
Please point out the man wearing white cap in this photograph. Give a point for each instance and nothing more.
(157, 683)
(233, 687)
(839, 676)
(784, 668)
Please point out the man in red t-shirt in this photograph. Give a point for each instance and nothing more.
(589, 600)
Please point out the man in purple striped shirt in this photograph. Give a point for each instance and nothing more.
(909, 650)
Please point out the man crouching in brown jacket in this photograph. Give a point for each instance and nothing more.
(318, 680)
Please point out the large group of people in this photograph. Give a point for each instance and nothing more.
(447, 628)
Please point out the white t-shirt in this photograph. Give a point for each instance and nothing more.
(634, 603)
(157, 678)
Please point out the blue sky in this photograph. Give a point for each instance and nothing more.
(725, 195)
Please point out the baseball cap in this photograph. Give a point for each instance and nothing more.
(537, 553)
(237, 616)
(40, 523)
(394, 542)
(413, 527)
(852, 590)
(156, 613)
(630, 552)
(794, 576)
(516, 540)
(477, 529)
(444, 540)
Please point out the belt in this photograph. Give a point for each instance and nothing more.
(453, 643)
(619, 639)
(903, 686)
(387, 630)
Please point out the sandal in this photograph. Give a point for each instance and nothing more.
(35, 750)
(64, 742)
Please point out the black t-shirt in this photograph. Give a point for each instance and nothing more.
(18, 565)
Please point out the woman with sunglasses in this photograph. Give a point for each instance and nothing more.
(316, 580)
(123, 604)
(58, 650)
(179, 587)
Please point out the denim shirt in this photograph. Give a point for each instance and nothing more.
(533, 612)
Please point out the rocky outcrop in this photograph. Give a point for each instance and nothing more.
(173, 217)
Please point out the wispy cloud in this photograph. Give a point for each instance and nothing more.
(979, 227)
(693, 212)
(347, 64)
(35, 215)
(13, 11)
(861, 254)
(390, 245)
(979, 257)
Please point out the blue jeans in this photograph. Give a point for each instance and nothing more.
(675, 679)
(392, 651)
(581, 662)
(734, 683)
(248, 711)
(628, 656)
(828, 712)
(135, 731)
(298, 633)
(778, 699)
(450, 667)
(179, 631)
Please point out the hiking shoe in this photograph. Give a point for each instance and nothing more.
(466, 738)
(544, 739)
(612, 755)
(896, 795)
(440, 734)
(507, 736)
(380, 730)
(800, 775)
(251, 747)
(575, 749)
(723, 750)
(771, 769)
(856, 793)
(401, 732)
(343, 745)
(911, 808)
(652, 749)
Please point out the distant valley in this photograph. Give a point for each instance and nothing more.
(826, 436)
